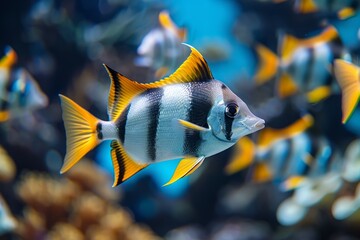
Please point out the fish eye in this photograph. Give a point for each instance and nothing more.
(231, 110)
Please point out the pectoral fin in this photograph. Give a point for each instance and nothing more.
(186, 167)
(192, 126)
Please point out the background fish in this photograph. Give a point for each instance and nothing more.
(161, 48)
(19, 91)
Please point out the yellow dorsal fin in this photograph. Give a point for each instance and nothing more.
(243, 156)
(9, 59)
(286, 86)
(124, 166)
(186, 167)
(262, 173)
(193, 69)
(348, 77)
(167, 23)
(328, 34)
(318, 94)
(268, 64)
(290, 43)
(306, 6)
(122, 89)
(269, 136)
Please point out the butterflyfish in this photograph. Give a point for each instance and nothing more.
(187, 115)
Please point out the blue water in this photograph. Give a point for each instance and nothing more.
(211, 23)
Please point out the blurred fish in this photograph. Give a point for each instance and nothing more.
(19, 92)
(304, 66)
(247, 151)
(161, 48)
(7, 166)
(189, 115)
(344, 7)
(348, 77)
(7, 222)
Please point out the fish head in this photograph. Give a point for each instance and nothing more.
(230, 118)
(27, 93)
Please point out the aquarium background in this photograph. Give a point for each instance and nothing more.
(63, 44)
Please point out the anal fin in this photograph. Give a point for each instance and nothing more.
(186, 167)
(124, 166)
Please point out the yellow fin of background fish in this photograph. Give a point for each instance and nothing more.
(186, 167)
(269, 136)
(4, 116)
(318, 94)
(80, 128)
(122, 89)
(286, 86)
(244, 155)
(288, 46)
(268, 64)
(289, 43)
(262, 173)
(167, 23)
(9, 59)
(192, 126)
(306, 6)
(348, 77)
(292, 183)
(124, 166)
(346, 13)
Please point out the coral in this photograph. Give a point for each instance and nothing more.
(74, 208)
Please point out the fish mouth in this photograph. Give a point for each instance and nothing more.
(259, 124)
(254, 124)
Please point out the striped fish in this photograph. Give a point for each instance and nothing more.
(305, 66)
(19, 92)
(161, 47)
(188, 115)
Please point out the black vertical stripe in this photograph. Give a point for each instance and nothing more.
(121, 123)
(154, 97)
(309, 67)
(228, 126)
(200, 106)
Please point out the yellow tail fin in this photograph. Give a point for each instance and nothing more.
(348, 77)
(81, 134)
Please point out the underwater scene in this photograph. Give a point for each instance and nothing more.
(180, 120)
